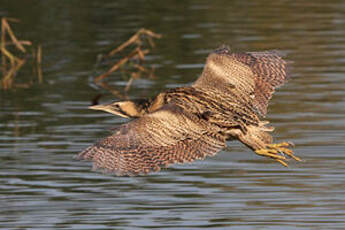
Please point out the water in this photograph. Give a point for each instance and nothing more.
(44, 126)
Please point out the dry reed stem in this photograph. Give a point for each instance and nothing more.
(121, 63)
(12, 36)
(22, 42)
(136, 39)
(136, 55)
(39, 63)
(11, 63)
(16, 64)
(2, 47)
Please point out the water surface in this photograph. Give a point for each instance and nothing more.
(44, 126)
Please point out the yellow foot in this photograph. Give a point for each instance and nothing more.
(278, 152)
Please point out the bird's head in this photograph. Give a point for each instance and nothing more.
(127, 109)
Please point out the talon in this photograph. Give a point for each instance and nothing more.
(273, 151)
(290, 154)
(286, 151)
(270, 153)
(283, 163)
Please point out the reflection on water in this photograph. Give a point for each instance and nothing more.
(43, 127)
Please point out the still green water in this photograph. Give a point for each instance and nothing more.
(44, 126)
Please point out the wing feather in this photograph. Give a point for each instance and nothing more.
(270, 71)
(164, 137)
(253, 76)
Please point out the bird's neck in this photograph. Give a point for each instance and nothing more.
(157, 103)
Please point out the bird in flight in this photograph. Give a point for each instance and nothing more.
(183, 124)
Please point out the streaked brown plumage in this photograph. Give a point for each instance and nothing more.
(188, 123)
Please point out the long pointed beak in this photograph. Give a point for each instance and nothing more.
(99, 107)
(109, 109)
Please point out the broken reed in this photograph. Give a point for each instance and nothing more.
(134, 60)
(11, 63)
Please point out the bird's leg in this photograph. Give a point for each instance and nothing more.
(260, 141)
(278, 152)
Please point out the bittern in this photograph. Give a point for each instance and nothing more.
(183, 124)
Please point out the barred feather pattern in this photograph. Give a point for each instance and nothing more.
(164, 137)
(252, 77)
(270, 72)
(221, 110)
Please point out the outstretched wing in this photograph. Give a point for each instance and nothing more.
(270, 72)
(166, 136)
(250, 78)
